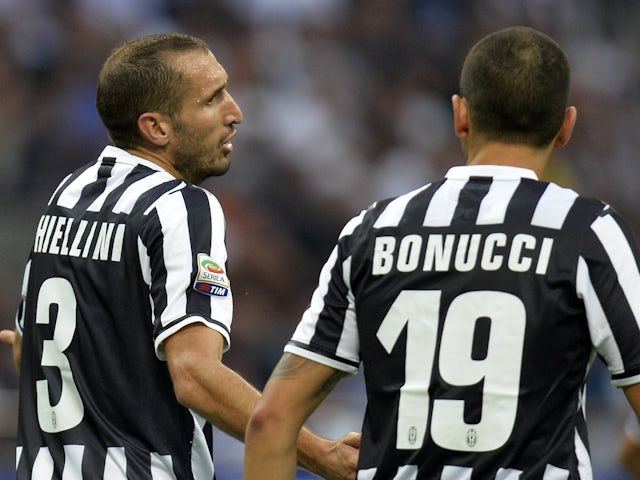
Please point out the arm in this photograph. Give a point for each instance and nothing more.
(204, 384)
(14, 339)
(295, 389)
(629, 448)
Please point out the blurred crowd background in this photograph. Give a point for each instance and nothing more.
(345, 102)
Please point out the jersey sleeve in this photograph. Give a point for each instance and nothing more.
(183, 251)
(608, 282)
(327, 332)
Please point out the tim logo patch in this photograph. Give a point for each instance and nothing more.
(211, 278)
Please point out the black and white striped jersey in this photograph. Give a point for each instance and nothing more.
(124, 256)
(476, 305)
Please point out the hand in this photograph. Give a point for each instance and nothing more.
(13, 338)
(344, 454)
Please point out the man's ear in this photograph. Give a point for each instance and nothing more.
(566, 129)
(155, 128)
(460, 116)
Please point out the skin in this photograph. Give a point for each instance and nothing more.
(297, 385)
(195, 145)
(629, 453)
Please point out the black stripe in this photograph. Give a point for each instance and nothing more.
(158, 268)
(327, 334)
(199, 223)
(139, 172)
(413, 216)
(524, 202)
(94, 189)
(63, 186)
(469, 201)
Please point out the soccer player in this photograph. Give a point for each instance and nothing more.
(475, 304)
(127, 305)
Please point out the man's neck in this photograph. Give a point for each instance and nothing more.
(512, 155)
(156, 158)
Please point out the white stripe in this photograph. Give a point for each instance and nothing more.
(407, 472)
(450, 472)
(443, 204)
(367, 474)
(70, 196)
(172, 213)
(201, 463)
(393, 212)
(349, 344)
(43, 464)
(624, 382)
(118, 176)
(72, 462)
(508, 474)
(145, 262)
(151, 207)
(131, 195)
(555, 473)
(622, 259)
(18, 455)
(599, 328)
(493, 207)
(115, 464)
(161, 467)
(584, 460)
(553, 207)
(23, 293)
(221, 307)
(330, 362)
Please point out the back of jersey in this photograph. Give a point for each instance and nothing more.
(95, 401)
(473, 304)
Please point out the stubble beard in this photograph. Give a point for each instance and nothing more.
(195, 162)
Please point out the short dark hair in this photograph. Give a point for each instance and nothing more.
(139, 77)
(516, 82)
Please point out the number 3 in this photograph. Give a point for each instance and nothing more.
(500, 368)
(69, 410)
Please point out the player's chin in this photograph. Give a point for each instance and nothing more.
(221, 165)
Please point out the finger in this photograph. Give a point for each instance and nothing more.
(7, 336)
(352, 439)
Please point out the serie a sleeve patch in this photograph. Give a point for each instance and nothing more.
(211, 278)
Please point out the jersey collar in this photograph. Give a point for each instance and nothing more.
(125, 157)
(496, 171)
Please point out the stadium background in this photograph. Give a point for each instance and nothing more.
(345, 101)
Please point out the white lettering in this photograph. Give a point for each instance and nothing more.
(64, 249)
(437, 253)
(54, 234)
(409, 253)
(75, 246)
(89, 240)
(57, 236)
(118, 240)
(103, 242)
(491, 261)
(545, 253)
(40, 233)
(517, 261)
(383, 255)
(467, 252)
(523, 252)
